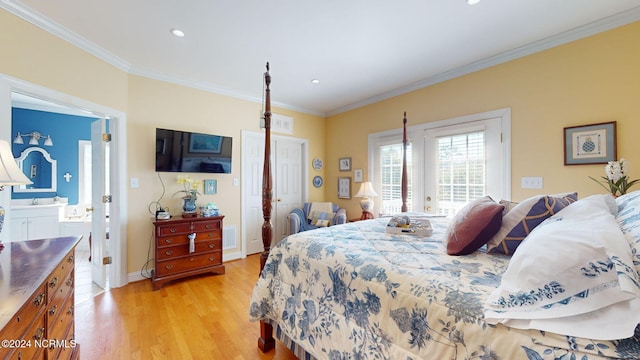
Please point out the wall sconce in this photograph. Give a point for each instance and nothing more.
(35, 137)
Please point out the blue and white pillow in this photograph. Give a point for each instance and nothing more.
(573, 275)
(629, 220)
(524, 217)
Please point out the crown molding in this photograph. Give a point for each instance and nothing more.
(56, 29)
(583, 31)
(580, 32)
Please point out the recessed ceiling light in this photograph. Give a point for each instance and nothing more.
(315, 81)
(472, 2)
(178, 33)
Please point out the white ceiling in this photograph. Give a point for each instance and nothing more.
(362, 51)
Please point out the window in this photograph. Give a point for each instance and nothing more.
(461, 171)
(391, 178)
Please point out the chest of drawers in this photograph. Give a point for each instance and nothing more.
(186, 247)
(37, 299)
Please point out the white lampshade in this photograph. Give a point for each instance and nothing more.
(366, 190)
(10, 173)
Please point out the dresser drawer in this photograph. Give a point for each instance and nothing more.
(203, 226)
(59, 275)
(174, 229)
(184, 239)
(18, 325)
(188, 263)
(56, 306)
(28, 348)
(171, 252)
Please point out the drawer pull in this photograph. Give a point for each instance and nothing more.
(53, 282)
(208, 226)
(70, 310)
(53, 310)
(20, 355)
(70, 259)
(168, 252)
(39, 333)
(173, 230)
(168, 241)
(212, 259)
(192, 259)
(69, 281)
(211, 246)
(168, 267)
(38, 300)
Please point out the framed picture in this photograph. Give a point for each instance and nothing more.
(344, 188)
(357, 175)
(590, 144)
(202, 143)
(211, 187)
(345, 164)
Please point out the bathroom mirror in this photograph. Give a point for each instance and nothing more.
(36, 163)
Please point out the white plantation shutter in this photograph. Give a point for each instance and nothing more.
(391, 178)
(461, 170)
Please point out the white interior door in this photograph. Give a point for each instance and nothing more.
(100, 187)
(288, 172)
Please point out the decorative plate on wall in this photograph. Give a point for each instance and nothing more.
(317, 181)
(317, 164)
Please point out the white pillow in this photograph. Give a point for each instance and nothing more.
(571, 266)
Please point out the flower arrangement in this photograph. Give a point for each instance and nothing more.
(616, 180)
(190, 187)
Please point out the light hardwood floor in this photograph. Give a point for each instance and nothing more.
(204, 317)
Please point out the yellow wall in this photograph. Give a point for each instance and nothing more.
(37, 57)
(593, 80)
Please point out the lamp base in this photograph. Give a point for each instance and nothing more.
(366, 215)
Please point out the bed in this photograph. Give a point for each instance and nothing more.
(356, 291)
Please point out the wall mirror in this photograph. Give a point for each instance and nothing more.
(36, 163)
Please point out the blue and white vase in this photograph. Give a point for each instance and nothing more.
(189, 205)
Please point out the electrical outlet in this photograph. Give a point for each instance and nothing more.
(531, 182)
(134, 183)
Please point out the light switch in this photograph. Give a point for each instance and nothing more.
(531, 182)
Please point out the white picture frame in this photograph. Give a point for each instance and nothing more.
(344, 188)
(357, 175)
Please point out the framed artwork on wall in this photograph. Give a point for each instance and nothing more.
(590, 144)
(345, 164)
(357, 175)
(210, 187)
(344, 188)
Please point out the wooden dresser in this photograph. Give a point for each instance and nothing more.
(186, 247)
(37, 299)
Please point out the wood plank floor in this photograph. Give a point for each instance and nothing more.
(204, 317)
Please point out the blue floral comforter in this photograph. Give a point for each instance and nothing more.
(352, 291)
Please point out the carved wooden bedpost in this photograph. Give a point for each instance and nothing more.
(404, 163)
(266, 341)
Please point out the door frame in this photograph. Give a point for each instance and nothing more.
(415, 134)
(118, 217)
(304, 143)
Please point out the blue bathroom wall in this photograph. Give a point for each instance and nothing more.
(65, 131)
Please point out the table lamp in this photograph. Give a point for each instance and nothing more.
(10, 174)
(366, 192)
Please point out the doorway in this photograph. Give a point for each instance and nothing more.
(289, 172)
(117, 273)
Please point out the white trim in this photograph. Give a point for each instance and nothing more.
(118, 215)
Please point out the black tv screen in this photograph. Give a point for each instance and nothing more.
(183, 151)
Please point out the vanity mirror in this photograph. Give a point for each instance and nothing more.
(36, 163)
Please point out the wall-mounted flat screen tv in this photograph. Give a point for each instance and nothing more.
(183, 151)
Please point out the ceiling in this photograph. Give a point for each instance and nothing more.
(362, 51)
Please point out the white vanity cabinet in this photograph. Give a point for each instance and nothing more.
(34, 222)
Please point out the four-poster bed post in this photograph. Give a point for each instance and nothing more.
(404, 163)
(266, 341)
